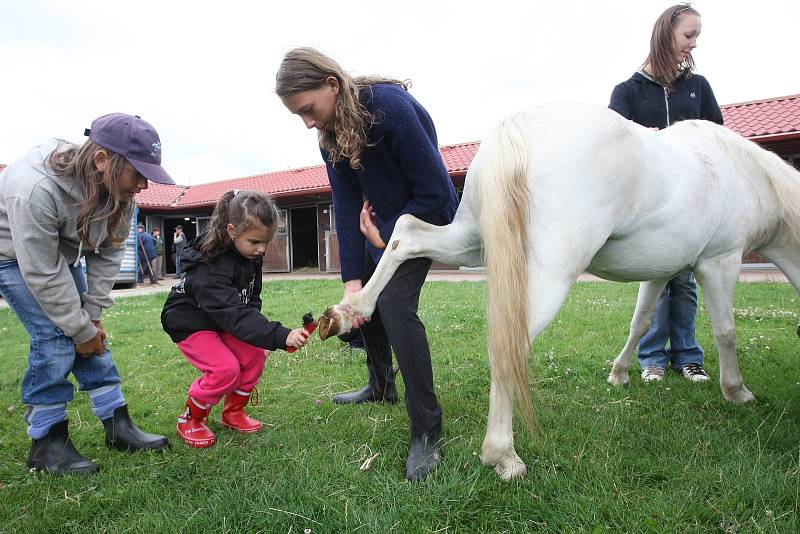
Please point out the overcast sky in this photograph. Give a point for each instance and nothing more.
(203, 73)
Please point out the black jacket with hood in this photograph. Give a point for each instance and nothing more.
(223, 296)
(647, 102)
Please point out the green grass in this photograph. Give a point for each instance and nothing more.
(672, 457)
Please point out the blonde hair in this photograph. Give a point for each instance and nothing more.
(100, 203)
(244, 210)
(306, 69)
(662, 47)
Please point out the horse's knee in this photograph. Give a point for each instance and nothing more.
(725, 336)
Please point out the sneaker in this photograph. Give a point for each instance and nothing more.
(693, 372)
(653, 373)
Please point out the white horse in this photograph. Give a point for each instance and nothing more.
(563, 189)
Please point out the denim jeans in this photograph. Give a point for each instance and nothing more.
(52, 356)
(673, 321)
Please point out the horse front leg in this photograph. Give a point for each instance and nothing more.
(785, 253)
(546, 295)
(649, 292)
(456, 244)
(717, 277)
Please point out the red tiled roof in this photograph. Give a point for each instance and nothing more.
(769, 117)
(276, 184)
(160, 196)
(457, 158)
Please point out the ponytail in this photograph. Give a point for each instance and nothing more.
(244, 210)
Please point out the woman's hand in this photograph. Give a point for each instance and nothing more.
(297, 338)
(368, 227)
(354, 286)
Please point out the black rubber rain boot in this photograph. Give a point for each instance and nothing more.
(56, 455)
(123, 435)
(379, 389)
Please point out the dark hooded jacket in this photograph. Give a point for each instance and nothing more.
(647, 102)
(221, 296)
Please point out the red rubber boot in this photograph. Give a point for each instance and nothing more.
(192, 426)
(233, 415)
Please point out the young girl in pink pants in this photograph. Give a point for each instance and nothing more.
(214, 315)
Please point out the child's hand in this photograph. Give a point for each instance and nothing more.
(297, 338)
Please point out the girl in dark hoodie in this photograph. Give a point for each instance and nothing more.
(663, 92)
(214, 314)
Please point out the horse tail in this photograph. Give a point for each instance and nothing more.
(502, 177)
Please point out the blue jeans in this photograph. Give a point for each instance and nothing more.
(673, 321)
(52, 354)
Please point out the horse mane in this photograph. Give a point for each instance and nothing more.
(502, 175)
(782, 178)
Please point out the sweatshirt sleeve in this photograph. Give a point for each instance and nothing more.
(709, 109)
(412, 135)
(214, 292)
(620, 101)
(347, 202)
(34, 224)
(102, 270)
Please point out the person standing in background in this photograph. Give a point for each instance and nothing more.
(147, 255)
(178, 242)
(661, 93)
(159, 261)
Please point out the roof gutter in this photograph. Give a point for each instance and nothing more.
(775, 137)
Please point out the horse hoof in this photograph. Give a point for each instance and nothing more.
(329, 324)
(510, 468)
(740, 396)
(618, 378)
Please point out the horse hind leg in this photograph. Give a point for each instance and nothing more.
(455, 244)
(717, 278)
(546, 295)
(649, 292)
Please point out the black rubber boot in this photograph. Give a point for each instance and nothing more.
(123, 435)
(424, 455)
(55, 453)
(372, 392)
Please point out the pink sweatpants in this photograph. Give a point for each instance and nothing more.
(227, 364)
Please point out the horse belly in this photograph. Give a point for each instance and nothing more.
(636, 260)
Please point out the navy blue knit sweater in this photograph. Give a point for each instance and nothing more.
(401, 172)
(646, 102)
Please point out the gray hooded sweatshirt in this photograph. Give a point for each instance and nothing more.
(38, 229)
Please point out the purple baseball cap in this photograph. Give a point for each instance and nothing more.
(135, 139)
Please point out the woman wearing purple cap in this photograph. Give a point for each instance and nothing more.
(60, 203)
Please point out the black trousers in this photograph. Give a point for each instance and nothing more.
(396, 325)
